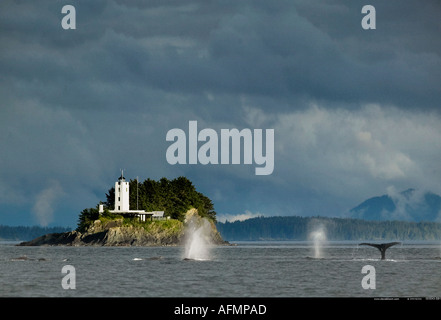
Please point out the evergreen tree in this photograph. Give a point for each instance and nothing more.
(110, 199)
(87, 216)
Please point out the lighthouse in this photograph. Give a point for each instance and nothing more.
(122, 203)
(122, 194)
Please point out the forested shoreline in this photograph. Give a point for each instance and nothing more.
(23, 233)
(285, 228)
(298, 228)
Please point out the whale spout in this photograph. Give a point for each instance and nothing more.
(381, 246)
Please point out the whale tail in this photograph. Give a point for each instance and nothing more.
(381, 246)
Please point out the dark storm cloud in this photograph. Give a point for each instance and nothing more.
(75, 103)
(284, 50)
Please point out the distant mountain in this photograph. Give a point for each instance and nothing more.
(409, 205)
(408, 215)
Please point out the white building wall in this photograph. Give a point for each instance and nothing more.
(122, 196)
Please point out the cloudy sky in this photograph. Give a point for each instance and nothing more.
(355, 112)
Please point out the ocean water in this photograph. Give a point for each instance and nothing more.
(248, 269)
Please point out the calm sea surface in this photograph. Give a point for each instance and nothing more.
(250, 269)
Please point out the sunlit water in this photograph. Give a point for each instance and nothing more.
(257, 269)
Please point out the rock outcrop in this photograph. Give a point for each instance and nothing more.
(116, 233)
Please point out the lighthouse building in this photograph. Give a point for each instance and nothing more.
(122, 203)
(122, 195)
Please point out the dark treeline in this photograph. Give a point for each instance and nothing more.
(298, 228)
(23, 233)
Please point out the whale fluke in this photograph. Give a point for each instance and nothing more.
(381, 246)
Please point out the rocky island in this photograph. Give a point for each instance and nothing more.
(121, 231)
(184, 211)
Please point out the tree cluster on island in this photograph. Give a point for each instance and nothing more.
(174, 197)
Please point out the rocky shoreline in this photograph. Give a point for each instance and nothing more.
(115, 233)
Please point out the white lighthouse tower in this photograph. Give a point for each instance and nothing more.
(122, 194)
(122, 201)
